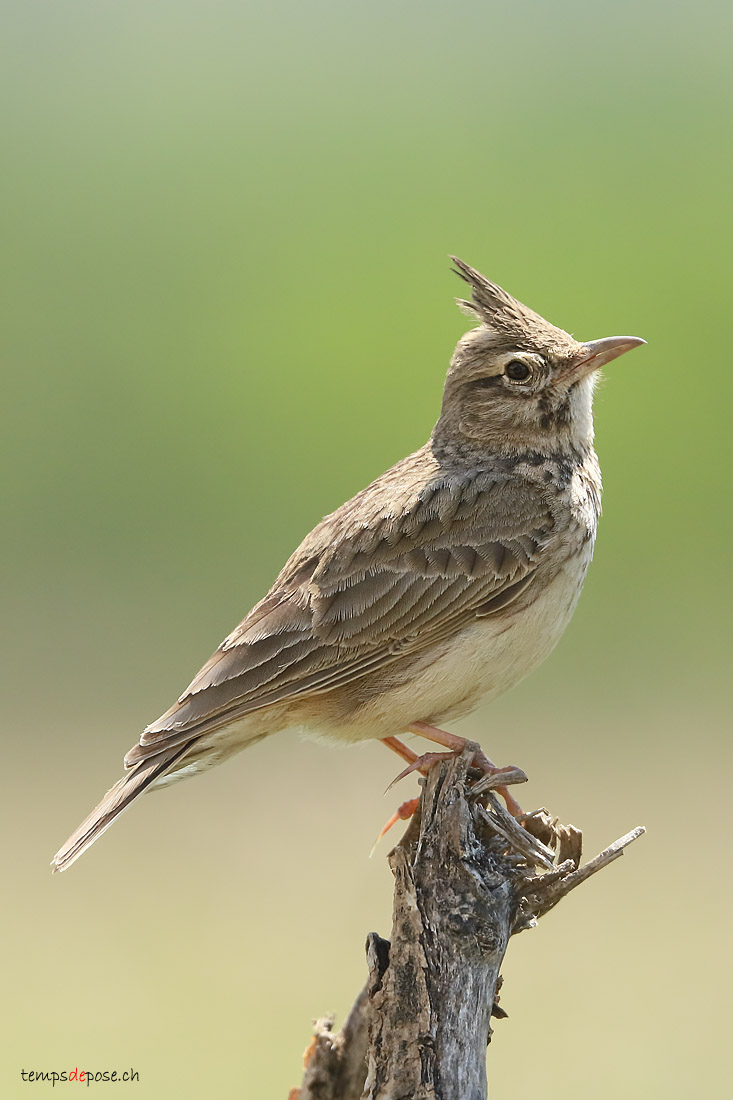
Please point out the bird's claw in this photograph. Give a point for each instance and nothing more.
(421, 764)
(402, 813)
(424, 763)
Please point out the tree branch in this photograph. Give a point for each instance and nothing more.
(467, 877)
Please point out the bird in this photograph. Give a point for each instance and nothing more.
(441, 584)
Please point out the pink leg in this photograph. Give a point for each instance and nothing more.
(450, 740)
(400, 748)
(415, 763)
(402, 813)
(458, 744)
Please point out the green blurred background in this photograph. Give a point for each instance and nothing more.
(226, 306)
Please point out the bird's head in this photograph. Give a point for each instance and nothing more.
(516, 382)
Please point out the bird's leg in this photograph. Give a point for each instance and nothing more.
(400, 748)
(415, 763)
(457, 744)
(451, 741)
(402, 813)
(423, 763)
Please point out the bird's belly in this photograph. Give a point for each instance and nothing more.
(482, 662)
(495, 653)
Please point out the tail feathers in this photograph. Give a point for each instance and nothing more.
(117, 799)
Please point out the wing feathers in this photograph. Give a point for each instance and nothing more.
(379, 578)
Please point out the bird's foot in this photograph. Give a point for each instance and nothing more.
(421, 764)
(402, 813)
(480, 760)
(456, 744)
(414, 763)
(427, 760)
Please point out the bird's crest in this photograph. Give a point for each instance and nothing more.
(498, 310)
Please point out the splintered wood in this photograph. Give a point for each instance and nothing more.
(468, 876)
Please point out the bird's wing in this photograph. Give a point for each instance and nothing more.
(378, 579)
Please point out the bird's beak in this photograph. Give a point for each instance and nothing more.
(596, 353)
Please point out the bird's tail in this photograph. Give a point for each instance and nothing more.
(117, 799)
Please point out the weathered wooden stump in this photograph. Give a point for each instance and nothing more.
(468, 876)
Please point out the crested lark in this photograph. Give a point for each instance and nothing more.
(444, 582)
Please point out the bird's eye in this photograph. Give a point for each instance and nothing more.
(517, 370)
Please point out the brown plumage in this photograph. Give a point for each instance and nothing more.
(444, 581)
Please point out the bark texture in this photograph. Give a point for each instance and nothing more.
(467, 877)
